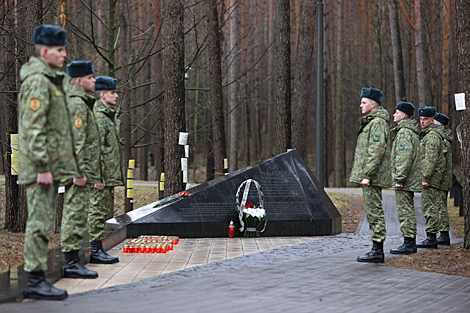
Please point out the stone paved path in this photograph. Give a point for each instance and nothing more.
(316, 276)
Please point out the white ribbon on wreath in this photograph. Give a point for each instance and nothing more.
(241, 204)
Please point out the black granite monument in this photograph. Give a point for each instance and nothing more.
(295, 205)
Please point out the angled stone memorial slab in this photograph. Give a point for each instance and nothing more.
(295, 205)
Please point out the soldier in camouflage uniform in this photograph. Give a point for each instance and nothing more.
(46, 155)
(446, 183)
(111, 166)
(433, 165)
(406, 173)
(371, 167)
(87, 148)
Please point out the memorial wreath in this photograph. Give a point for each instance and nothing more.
(251, 215)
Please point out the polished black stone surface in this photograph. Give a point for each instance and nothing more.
(295, 205)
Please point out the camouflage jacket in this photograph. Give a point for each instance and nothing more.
(111, 158)
(86, 135)
(432, 155)
(447, 138)
(406, 159)
(372, 156)
(45, 136)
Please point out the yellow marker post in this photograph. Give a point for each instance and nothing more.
(225, 164)
(130, 182)
(13, 139)
(162, 181)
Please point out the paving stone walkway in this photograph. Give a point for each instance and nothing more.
(316, 276)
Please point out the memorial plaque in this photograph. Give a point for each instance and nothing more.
(294, 202)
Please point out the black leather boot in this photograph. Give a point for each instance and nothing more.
(429, 242)
(376, 255)
(73, 268)
(39, 288)
(99, 256)
(444, 239)
(408, 247)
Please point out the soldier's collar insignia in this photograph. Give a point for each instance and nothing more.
(376, 119)
(431, 145)
(35, 104)
(111, 123)
(78, 122)
(58, 93)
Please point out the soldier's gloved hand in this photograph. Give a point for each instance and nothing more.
(425, 185)
(365, 182)
(45, 180)
(80, 181)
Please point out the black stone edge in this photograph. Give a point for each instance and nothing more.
(336, 218)
(55, 264)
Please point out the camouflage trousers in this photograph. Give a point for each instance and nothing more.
(430, 203)
(41, 214)
(74, 217)
(406, 212)
(100, 202)
(374, 212)
(442, 211)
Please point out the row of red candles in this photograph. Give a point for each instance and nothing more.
(151, 244)
(148, 249)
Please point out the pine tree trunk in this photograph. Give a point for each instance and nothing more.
(215, 77)
(463, 47)
(420, 71)
(173, 84)
(338, 114)
(302, 78)
(126, 111)
(271, 84)
(399, 78)
(234, 87)
(283, 76)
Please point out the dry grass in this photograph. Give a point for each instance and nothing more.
(453, 260)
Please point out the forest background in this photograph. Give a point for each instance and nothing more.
(238, 75)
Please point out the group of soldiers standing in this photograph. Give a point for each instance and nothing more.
(413, 160)
(70, 138)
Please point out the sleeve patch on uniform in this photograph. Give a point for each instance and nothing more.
(401, 146)
(78, 122)
(35, 104)
(58, 93)
(376, 138)
(431, 146)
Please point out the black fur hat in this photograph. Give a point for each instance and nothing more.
(372, 93)
(105, 83)
(444, 119)
(80, 68)
(50, 35)
(406, 107)
(427, 111)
